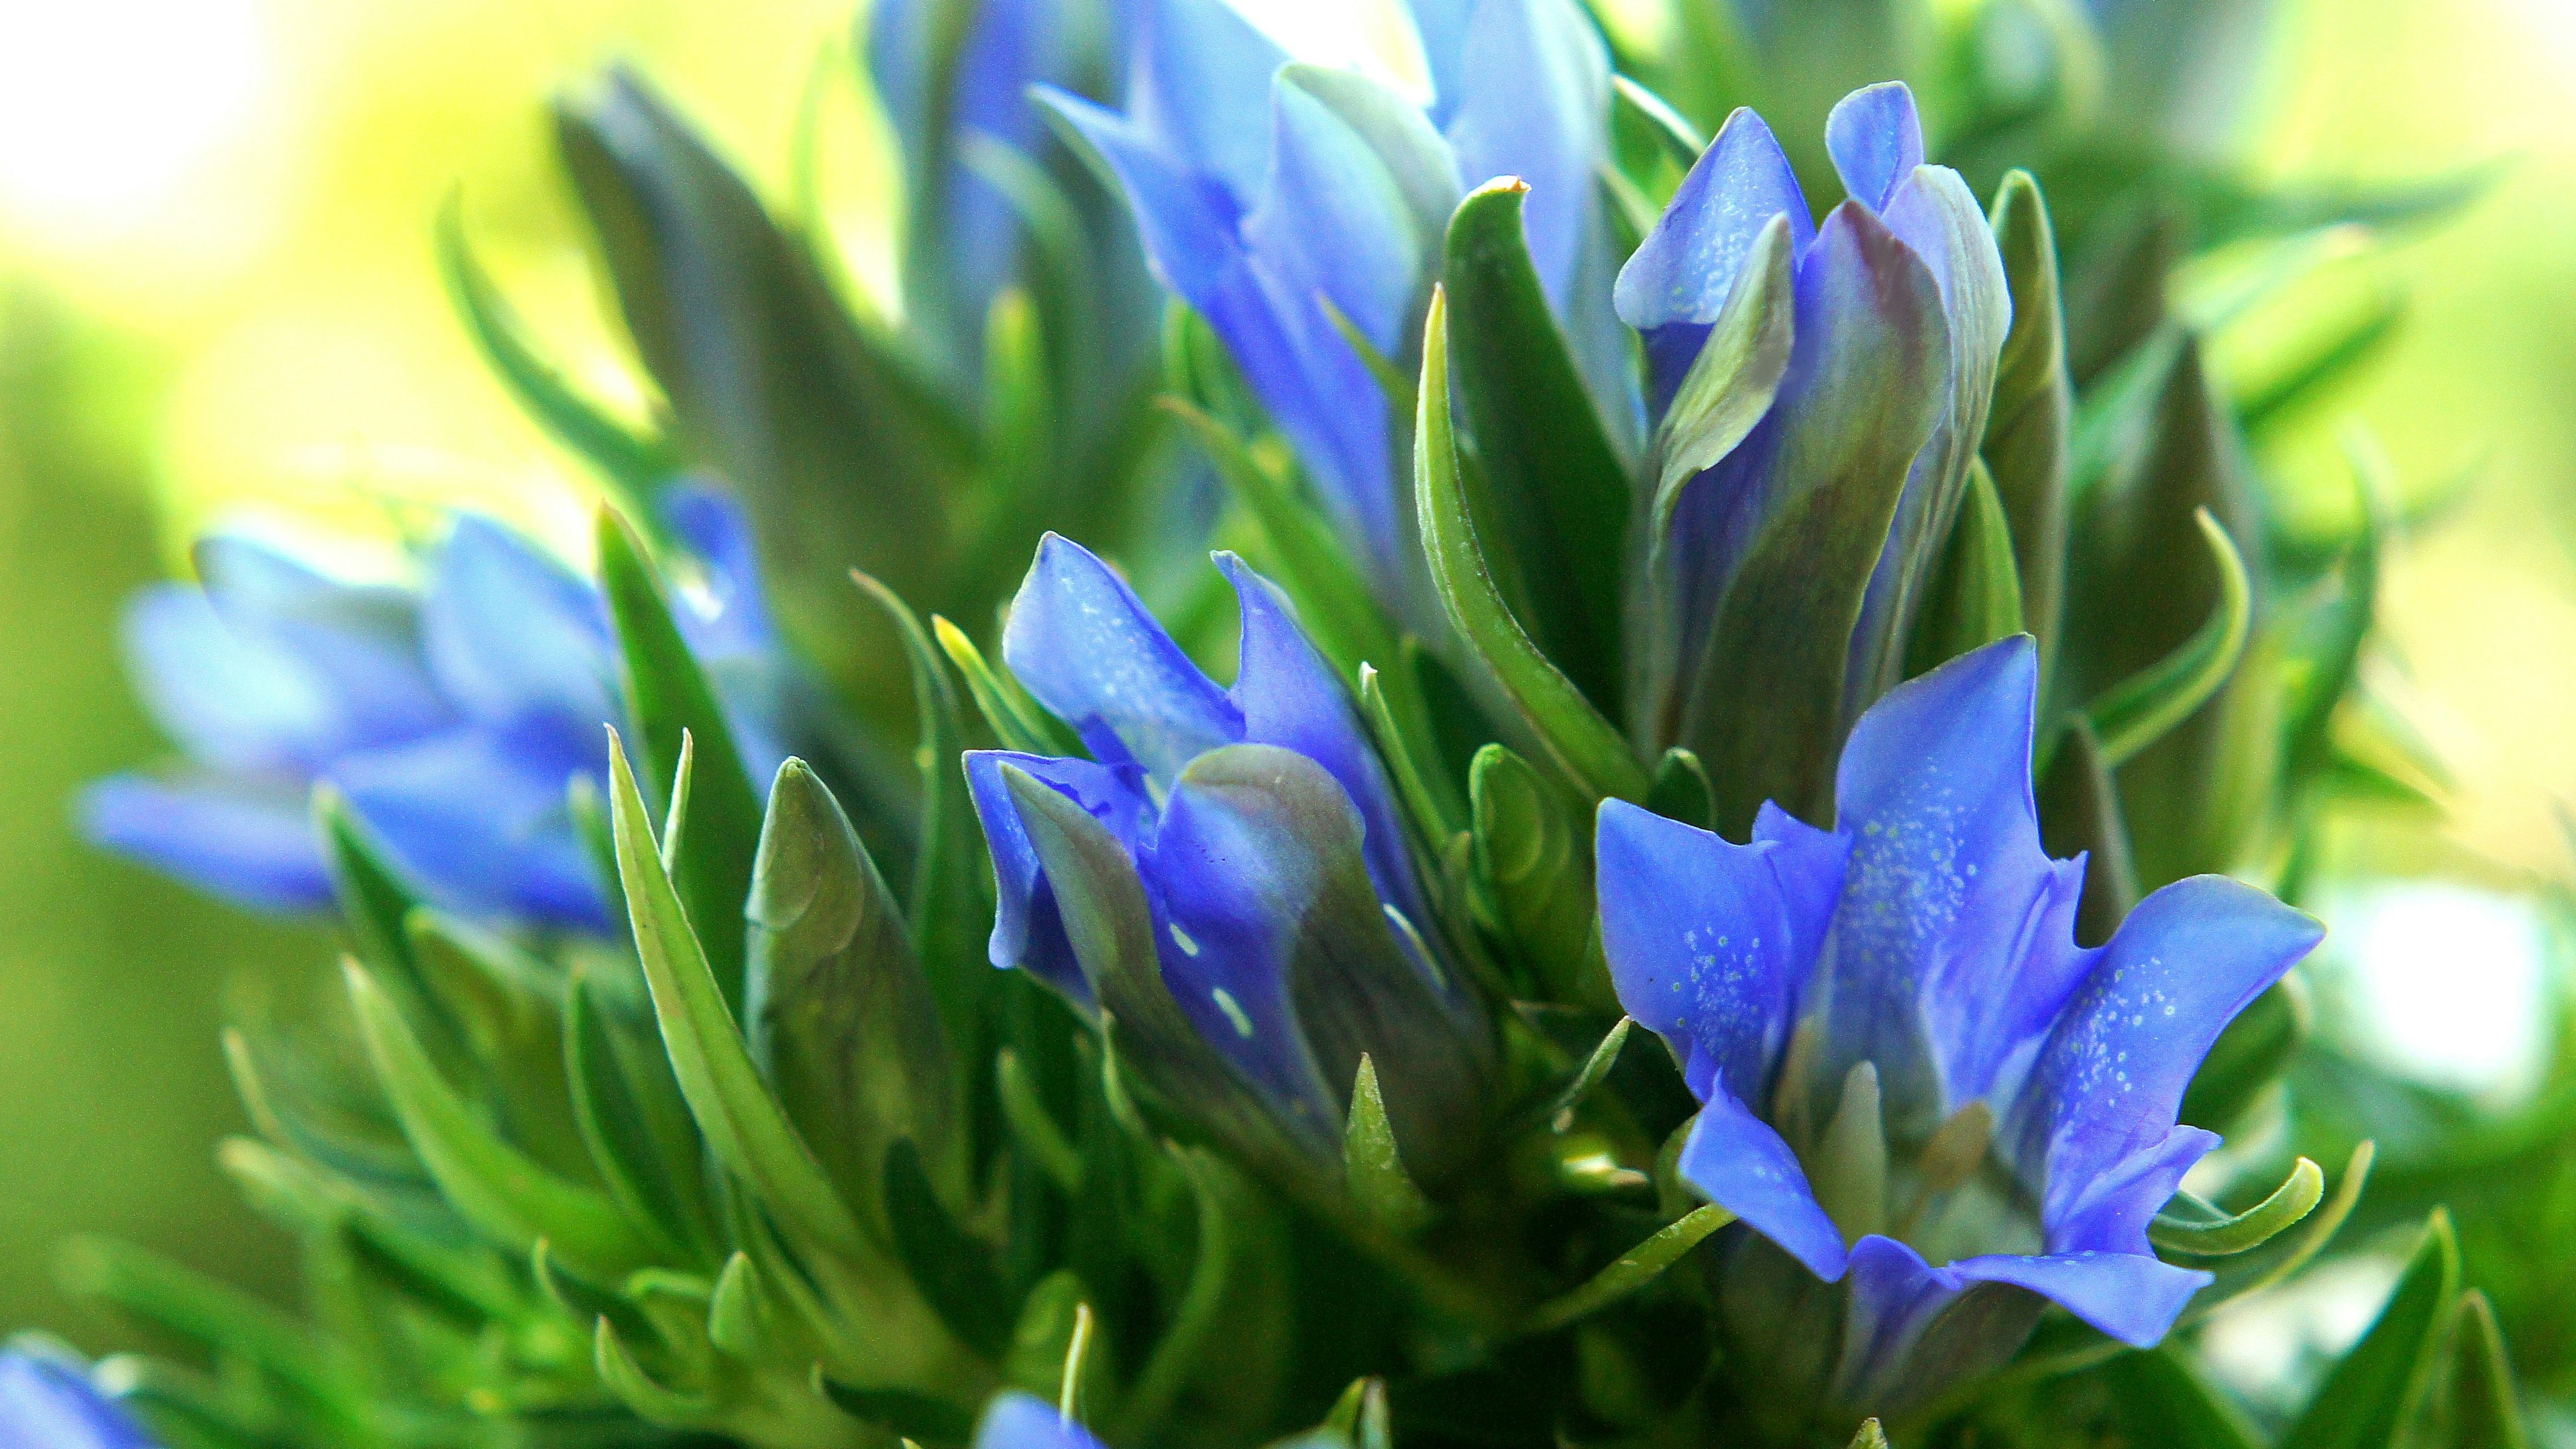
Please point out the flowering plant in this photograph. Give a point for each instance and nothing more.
(794, 1007)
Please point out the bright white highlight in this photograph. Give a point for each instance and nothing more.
(2444, 983)
(1374, 37)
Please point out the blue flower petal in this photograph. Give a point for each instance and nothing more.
(1027, 931)
(1088, 649)
(2133, 1297)
(1290, 697)
(49, 1405)
(229, 700)
(249, 842)
(1953, 948)
(1876, 138)
(725, 614)
(2111, 1076)
(1016, 1420)
(1200, 89)
(479, 819)
(1677, 283)
(511, 632)
(1744, 1166)
(1709, 942)
(1534, 102)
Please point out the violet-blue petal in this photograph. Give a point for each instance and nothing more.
(2133, 1297)
(1236, 894)
(1677, 283)
(1088, 649)
(248, 841)
(1199, 88)
(45, 1404)
(2109, 1212)
(1742, 1165)
(1534, 102)
(242, 703)
(511, 631)
(1876, 139)
(479, 818)
(1953, 945)
(1027, 931)
(2111, 1076)
(724, 613)
(1710, 942)
(1291, 697)
(1015, 1420)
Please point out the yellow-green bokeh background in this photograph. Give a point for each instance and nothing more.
(216, 298)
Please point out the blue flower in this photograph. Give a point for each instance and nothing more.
(46, 1403)
(1898, 310)
(1024, 1421)
(1272, 196)
(1264, 836)
(452, 716)
(1915, 1082)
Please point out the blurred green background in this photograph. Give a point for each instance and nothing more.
(217, 301)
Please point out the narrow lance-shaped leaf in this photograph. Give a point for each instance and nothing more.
(633, 1121)
(2484, 1411)
(2139, 710)
(671, 701)
(1591, 752)
(1531, 848)
(1373, 1165)
(2190, 1225)
(511, 1199)
(2369, 1398)
(1556, 480)
(1635, 1269)
(1976, 592)
(2026, 442)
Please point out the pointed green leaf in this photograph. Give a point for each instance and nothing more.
(1373, 1166)
(2367, 1401)
(2190, 1225)
(840, 1014)
(1556, 479)
(1635, 1269)
(671, 701)
(632, 1119)
(511, 1199)
(1681, 790)
(1976, 591)
(2027, 430)
(744, 1125)
(2163, 1401)
(955, 1270)
(631, 464)
(1533, 847)
(1586, 746)
(1014, 719)
(2140, 709)
(637, 1390)
(1596, 1069)
(2485, 1412)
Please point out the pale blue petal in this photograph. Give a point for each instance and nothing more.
(49, 1405)
(247, 840)
(1876, 138)
(1742, 1165)
(2133, 1297)
(722, 613)
(1199, 87)
(1291, 697)
(1677, 283)
(1534, 102)
(511, 632)
(1015, 1420)
(480, 821)
(242, 703)
(1028, 932)
(1709, 943)
(2111, 1077)
(1953, 947)
(1088, 649)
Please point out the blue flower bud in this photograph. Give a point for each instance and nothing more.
(1285, 915)
(1016, 1420)
(1916, 1084)
(47, 1403)
(452, 715)
(1272, 197)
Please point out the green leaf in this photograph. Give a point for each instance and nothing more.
(2485, 1413)
(1595, 758)
(2164, 1402)
(842, 456)
(2367, 1401)
(920, 1418)
(2190, 1225)
(512, 1200)
(1557, 480)
(240, 1327)
(1014, 719)
(1033, 1127)
(1360, 1417)
(672, 703)
(1681, 790)
(1596, 1069)
(1869, 1436)
(2334, 353)
(745, 1126)
(1682, 141)
(1412, 758)
(2141, 709)
(840, 1015)
(637, 1390)
(1373, 1166)
(632, 1119)
(2277, 1260)
(1635, 1269)
(1976, 589)
(2028, 428)
(955, 1270)
(631, 464)
(2079, 812)
(1533, 848)
(1199, 1321)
